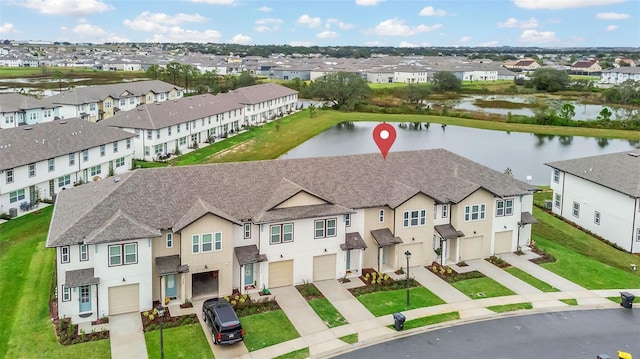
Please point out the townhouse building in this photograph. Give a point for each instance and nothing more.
(201, 231)
(38, 162)
(17, 109)
(620, 75)
(265, 102)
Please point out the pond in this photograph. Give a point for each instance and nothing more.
(524, 153)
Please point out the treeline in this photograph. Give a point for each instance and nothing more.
(195, 82)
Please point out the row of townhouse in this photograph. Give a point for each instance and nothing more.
(17, 109)
(168, 127)
(38, 162)
(96, 103)
(620, 75)
(156, 234)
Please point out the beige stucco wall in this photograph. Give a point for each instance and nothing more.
(421, 234)
(371, 222)
(159, 249)
(301, 199)
(480, 227)
(108, 111)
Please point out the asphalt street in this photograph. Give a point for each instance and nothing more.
(572, 334)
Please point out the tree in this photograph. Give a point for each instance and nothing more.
(173, 71)
(567, 112)
(154, 72)
(446, 81)
(415, 94)
(605, 114)
(344, 89)
(549, 80)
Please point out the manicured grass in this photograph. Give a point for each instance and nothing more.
(351, 338)
(148, 164)
(478, 288)
(187, 341)
(526, 277)
(260, 333)
(387, 302)
(26, 267)
(429, 320)
(296, 354)
(618, 299)
(510, 307)
(327, 312)
(569, 301)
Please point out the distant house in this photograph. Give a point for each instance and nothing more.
(585, 67)
(524, 65)
(290, 73)
(265, 102)
(17, 109)
(620, 75)
(410, 75)
(600, 194)
(621, 62)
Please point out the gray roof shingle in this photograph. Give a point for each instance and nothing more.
(384, 237)
(447, 231)
(80, 277)
(90, 94)
(353, 240)
(170, 265)
(13, 102)
(260, 93)
(249, 254)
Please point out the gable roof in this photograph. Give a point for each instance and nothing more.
(22, 145)
(260, 93)
(584, 63)
(90, 94)
(14, 102)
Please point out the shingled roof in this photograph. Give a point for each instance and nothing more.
(14, 102)
(89, 94)
(161, 197)
(260, 93)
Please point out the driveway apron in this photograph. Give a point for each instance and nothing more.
(301, 315)
(439, 287)
(502, 277)
(544, 275)
(350, 308)
(127, 337)
(219, 351)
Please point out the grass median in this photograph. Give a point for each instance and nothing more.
(260, 333)
(174, 343)
(387, 302)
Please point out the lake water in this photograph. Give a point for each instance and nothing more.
(524, 153)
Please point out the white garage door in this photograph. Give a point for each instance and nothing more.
(417, 255)
(124, 299)
(471, 248)
(280, 273)
(503, 242)
(324, 267)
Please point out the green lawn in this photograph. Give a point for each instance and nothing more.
(570, 301)
(296, 354)
(429, 320)
(478, 288)
(510, 307)
(526, 277)
(350, 339)
(387, 302)
(188, 341)
(260, 333)
(327, 312)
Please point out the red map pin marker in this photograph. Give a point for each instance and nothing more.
(384, 135)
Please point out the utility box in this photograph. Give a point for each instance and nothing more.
(13, 212)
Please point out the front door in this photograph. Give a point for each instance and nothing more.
(85, 299)
(384, 255)
(349, 260)
(170, 286)
(248, 274)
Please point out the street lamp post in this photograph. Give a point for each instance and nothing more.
(160, 315)
(408, 255)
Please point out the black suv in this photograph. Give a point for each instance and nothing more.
(223, 321)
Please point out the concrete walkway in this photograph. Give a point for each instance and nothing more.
(522, 262)
(301, 315)
(439, 287)
(515, 284)
(127, 337)
(350, 308)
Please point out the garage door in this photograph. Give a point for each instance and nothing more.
(471, 248)
(324, 267)
(280, 273)
(503, 242)
(124, 299)
(417, 255)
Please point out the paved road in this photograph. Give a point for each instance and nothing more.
(575, 334)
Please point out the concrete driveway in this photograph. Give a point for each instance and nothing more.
(127, 337)
(219, 351)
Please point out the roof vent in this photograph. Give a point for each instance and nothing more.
(62, 122)
(28, 128)
(633, 154)
(116, 179)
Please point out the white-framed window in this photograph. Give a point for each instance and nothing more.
(84, 252)
(474, 212)
(445, 210)
(281, 233)
(576, 209)
(195, 243)
(325, 228)
(115, 147)
(16, 196)
(9, 176)
(247, 230)
(119, 162)
(556, 176)
(169, 130)
(157, 149)
(51, 164)
(137, 132)
(347, 219)
(149, 135)
(596, 217)
(92, 106)
(183, 140)
(157, 134)
(217, 241)
(103, 150)
(147, 150)
(32, 170)
(414, 218)
(107, 104)
(169, 240)
(178, 128)
(122, 254)
(64, 181)
(96, 170)
(66, 293)
(85, 155)
(557, 200)
(72, 159)
(504, 207)
(128, 143)
(207, 242)
(65, 256)
(381, 216)
(638, 235)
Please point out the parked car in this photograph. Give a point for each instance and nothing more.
(222, 321)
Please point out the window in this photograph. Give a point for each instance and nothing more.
(16, 196)
(85, 155)
(149, 135)
(207, 244)
(92, 106)
(102, 150)
(217, 244)
(157, 134)
(32, 170)
(130, 253)
(169, 130)
(186, 125)
(64, 254)
(147, 150)
(96, 170)
(325, 228)
(137, 133)
(247, 230)
(415, 218)
(596, 217)
(169, 241)
(84, 252)
(10, 176)
(445, 211)
(183, 141)
(556, 176)
(72, 159)
(474, 213)
(120, 162)
(281, 233)
(195, 243)
(347, 219)
(66, 293)
(52, 164)
(64, 181)
(381, 216)
(504, 207)
(178, 128)
(157, 149)
(128, 143)
(557, 200)
(107, 104)
(638, 235)
(132, 101)
(576, 209)
(117, 258)
(123, 102)
(115, 147)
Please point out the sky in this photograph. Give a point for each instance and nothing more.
(398, 23)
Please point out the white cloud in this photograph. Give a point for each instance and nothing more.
(264, 9)
(407, 44)
(373, 43)
(491, 43)
(465, 39)
(301, 43)
(368, 2)
(538, 37)
(397, 27)
(214, 2)
(241, 39)
(612, 28)
(612, 16)
(311, 22)
(66, 7)
(562, 4)
(160, 22)
(327, 35)
(93, 33)
(512, 22)
(268, 24)
(178, 34)
(7, 28)
(340, 24)
(430, 11)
